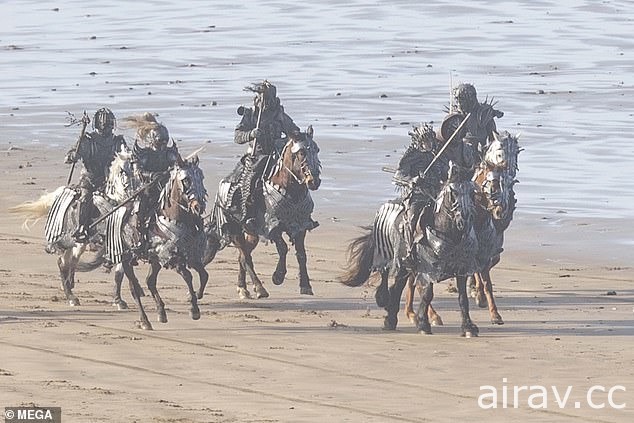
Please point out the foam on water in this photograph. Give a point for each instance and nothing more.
(560, 70)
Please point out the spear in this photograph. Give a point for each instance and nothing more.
(257, 125)
(444, 147)
(85, 120)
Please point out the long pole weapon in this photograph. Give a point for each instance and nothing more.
(257, 125)
(85, 120)
(124, 202)
(444, 147)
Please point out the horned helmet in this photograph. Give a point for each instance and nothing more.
(157, 136)
(104, 121)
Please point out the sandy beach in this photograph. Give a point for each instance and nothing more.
(299, 358)
(362, 73)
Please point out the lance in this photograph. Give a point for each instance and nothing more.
(85, 121)
(444, 147)
(126, 201)
(257, 126)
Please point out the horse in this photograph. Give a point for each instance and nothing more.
(61, 211)
(176, 239)
(495, 203)
(448, 249)
(288, 208)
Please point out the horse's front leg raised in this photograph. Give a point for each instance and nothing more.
(300, 252)
(469, 328)
(117, 301)
(282, 251)
(137, 292)
(194, 311)
(150, 281)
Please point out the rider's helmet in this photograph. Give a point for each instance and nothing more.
(104, 121)
(465, 98)
(266, 95)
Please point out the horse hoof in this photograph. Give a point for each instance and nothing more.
(389, 324)
(145, 325)
(261, 293)
(277, 279)
(497, 320)
(244, 294)
(481, 302)
(200, 295)
(412, 318)
(121, 305)
(436, 321)
(306, 290)
(73, 302)
(194, 314)
(470, 332)
(162, 317)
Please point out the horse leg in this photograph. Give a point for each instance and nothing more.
(469, 328)
(473, 286)
(395, 292)
(250, 242)
(194, 311)
(137, 293)
(300, 253)
(203, 276)
(409, 301)
(66, 264)
(496, 319)
(478, 290)
(117, 301)
(434, 318)
(282, 251)
(150, 281)
(382, 295)
(426, 296)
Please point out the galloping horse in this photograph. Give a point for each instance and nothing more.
(176, 239)
(61, 209)
(288, 210)
(448, 249)
(495, 203)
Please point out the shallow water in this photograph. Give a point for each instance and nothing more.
(562, 74)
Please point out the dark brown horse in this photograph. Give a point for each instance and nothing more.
(288, 208)
(448, 250)
(495, 204)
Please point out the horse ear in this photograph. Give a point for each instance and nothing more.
(496, 136)
(195, 160)
(310, 131)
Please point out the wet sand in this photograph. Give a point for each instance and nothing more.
(320, 358)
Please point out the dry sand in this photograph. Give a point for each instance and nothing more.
(296, 358)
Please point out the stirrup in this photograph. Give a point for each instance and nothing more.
(81, 234)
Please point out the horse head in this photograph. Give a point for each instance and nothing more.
(455, 204)
(495, 177)
(122, 180)
(300, 159)
(185, 189)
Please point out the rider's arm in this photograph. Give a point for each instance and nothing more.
(245, 130)
(288, 126)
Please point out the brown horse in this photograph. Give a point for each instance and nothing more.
(288, 208)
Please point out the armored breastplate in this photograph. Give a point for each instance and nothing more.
(97, 154)
(153, 161)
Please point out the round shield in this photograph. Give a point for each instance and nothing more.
(449, 125)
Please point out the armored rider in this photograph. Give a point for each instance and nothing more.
(477, 131)
(420, 188)
(262, 127)
(153, 158)
(96, 150)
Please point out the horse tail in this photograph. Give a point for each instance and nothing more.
(32, 211)
(360, 257)
(95, 263)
